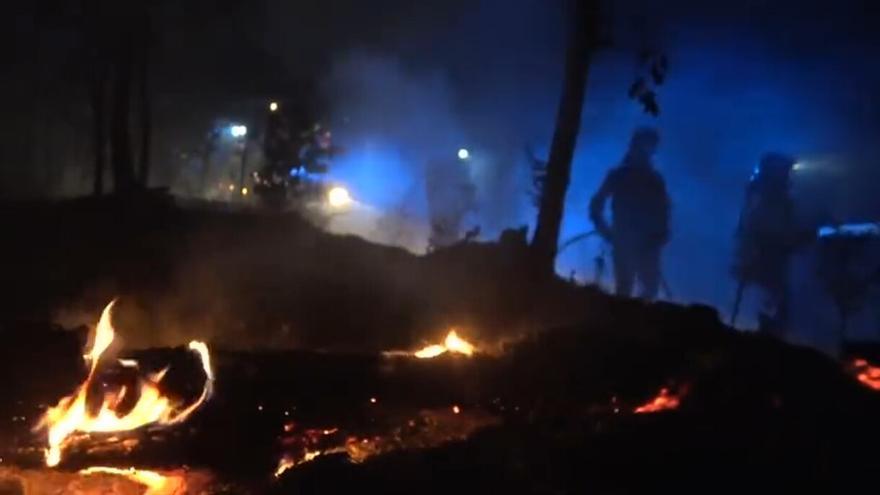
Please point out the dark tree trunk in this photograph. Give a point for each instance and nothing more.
(120, 140)
(95, 38)
(583, 32)
(146, 115)
(99, 90)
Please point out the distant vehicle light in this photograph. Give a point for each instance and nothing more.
(244, 191)
(231, 187)
(338, 197)
(463, 154)
(238, 130)
(273, 106)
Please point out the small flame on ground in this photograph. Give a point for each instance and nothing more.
(72, 413)
(283, 465)
(156, 483)
(867, 374)
(664, 401)
(429, 429)
(288, 462)
(453, 344)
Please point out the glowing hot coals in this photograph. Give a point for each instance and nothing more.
(156, 483)
(75, 413)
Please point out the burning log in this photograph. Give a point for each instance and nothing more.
(74, 415)
(429, 429)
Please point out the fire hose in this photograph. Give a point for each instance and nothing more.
(600, 260)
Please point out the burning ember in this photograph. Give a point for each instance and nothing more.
(867, 374)
(665, 401)
(73, 414)
(313, 443)
(157, 484)
(430, 428)
(288, 462)
(283, 465)
(453, 344)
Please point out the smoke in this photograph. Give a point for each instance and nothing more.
(396, 110)
(390, 122)
(733, 93)
(393, 122)
(488, 79)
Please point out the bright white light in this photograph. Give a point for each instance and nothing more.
(244, 191)
(463, 154)
(238, 131)
(797, 166)
(273, 106)
(338, 197)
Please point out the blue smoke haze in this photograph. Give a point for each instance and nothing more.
(732, 94)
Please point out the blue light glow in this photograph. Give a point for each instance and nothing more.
(238, 130)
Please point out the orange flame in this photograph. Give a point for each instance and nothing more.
(72, 413)
(284, 464)
(157, 484)
(288, 462)
(867, 374)
(664, 401)
(453, 344)
(429, 429)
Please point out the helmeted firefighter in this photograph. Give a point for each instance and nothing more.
(766, 238)
(640, 209)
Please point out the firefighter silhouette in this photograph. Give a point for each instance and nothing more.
(640, 210)
(766, 238)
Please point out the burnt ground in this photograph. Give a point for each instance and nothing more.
(756, 415)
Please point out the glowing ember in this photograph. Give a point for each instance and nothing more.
(288, 462)
(157, 484)
(430, 428)
(283, 465)
(453, 343)
(867, 374)
(664, 401)
(72, 414)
